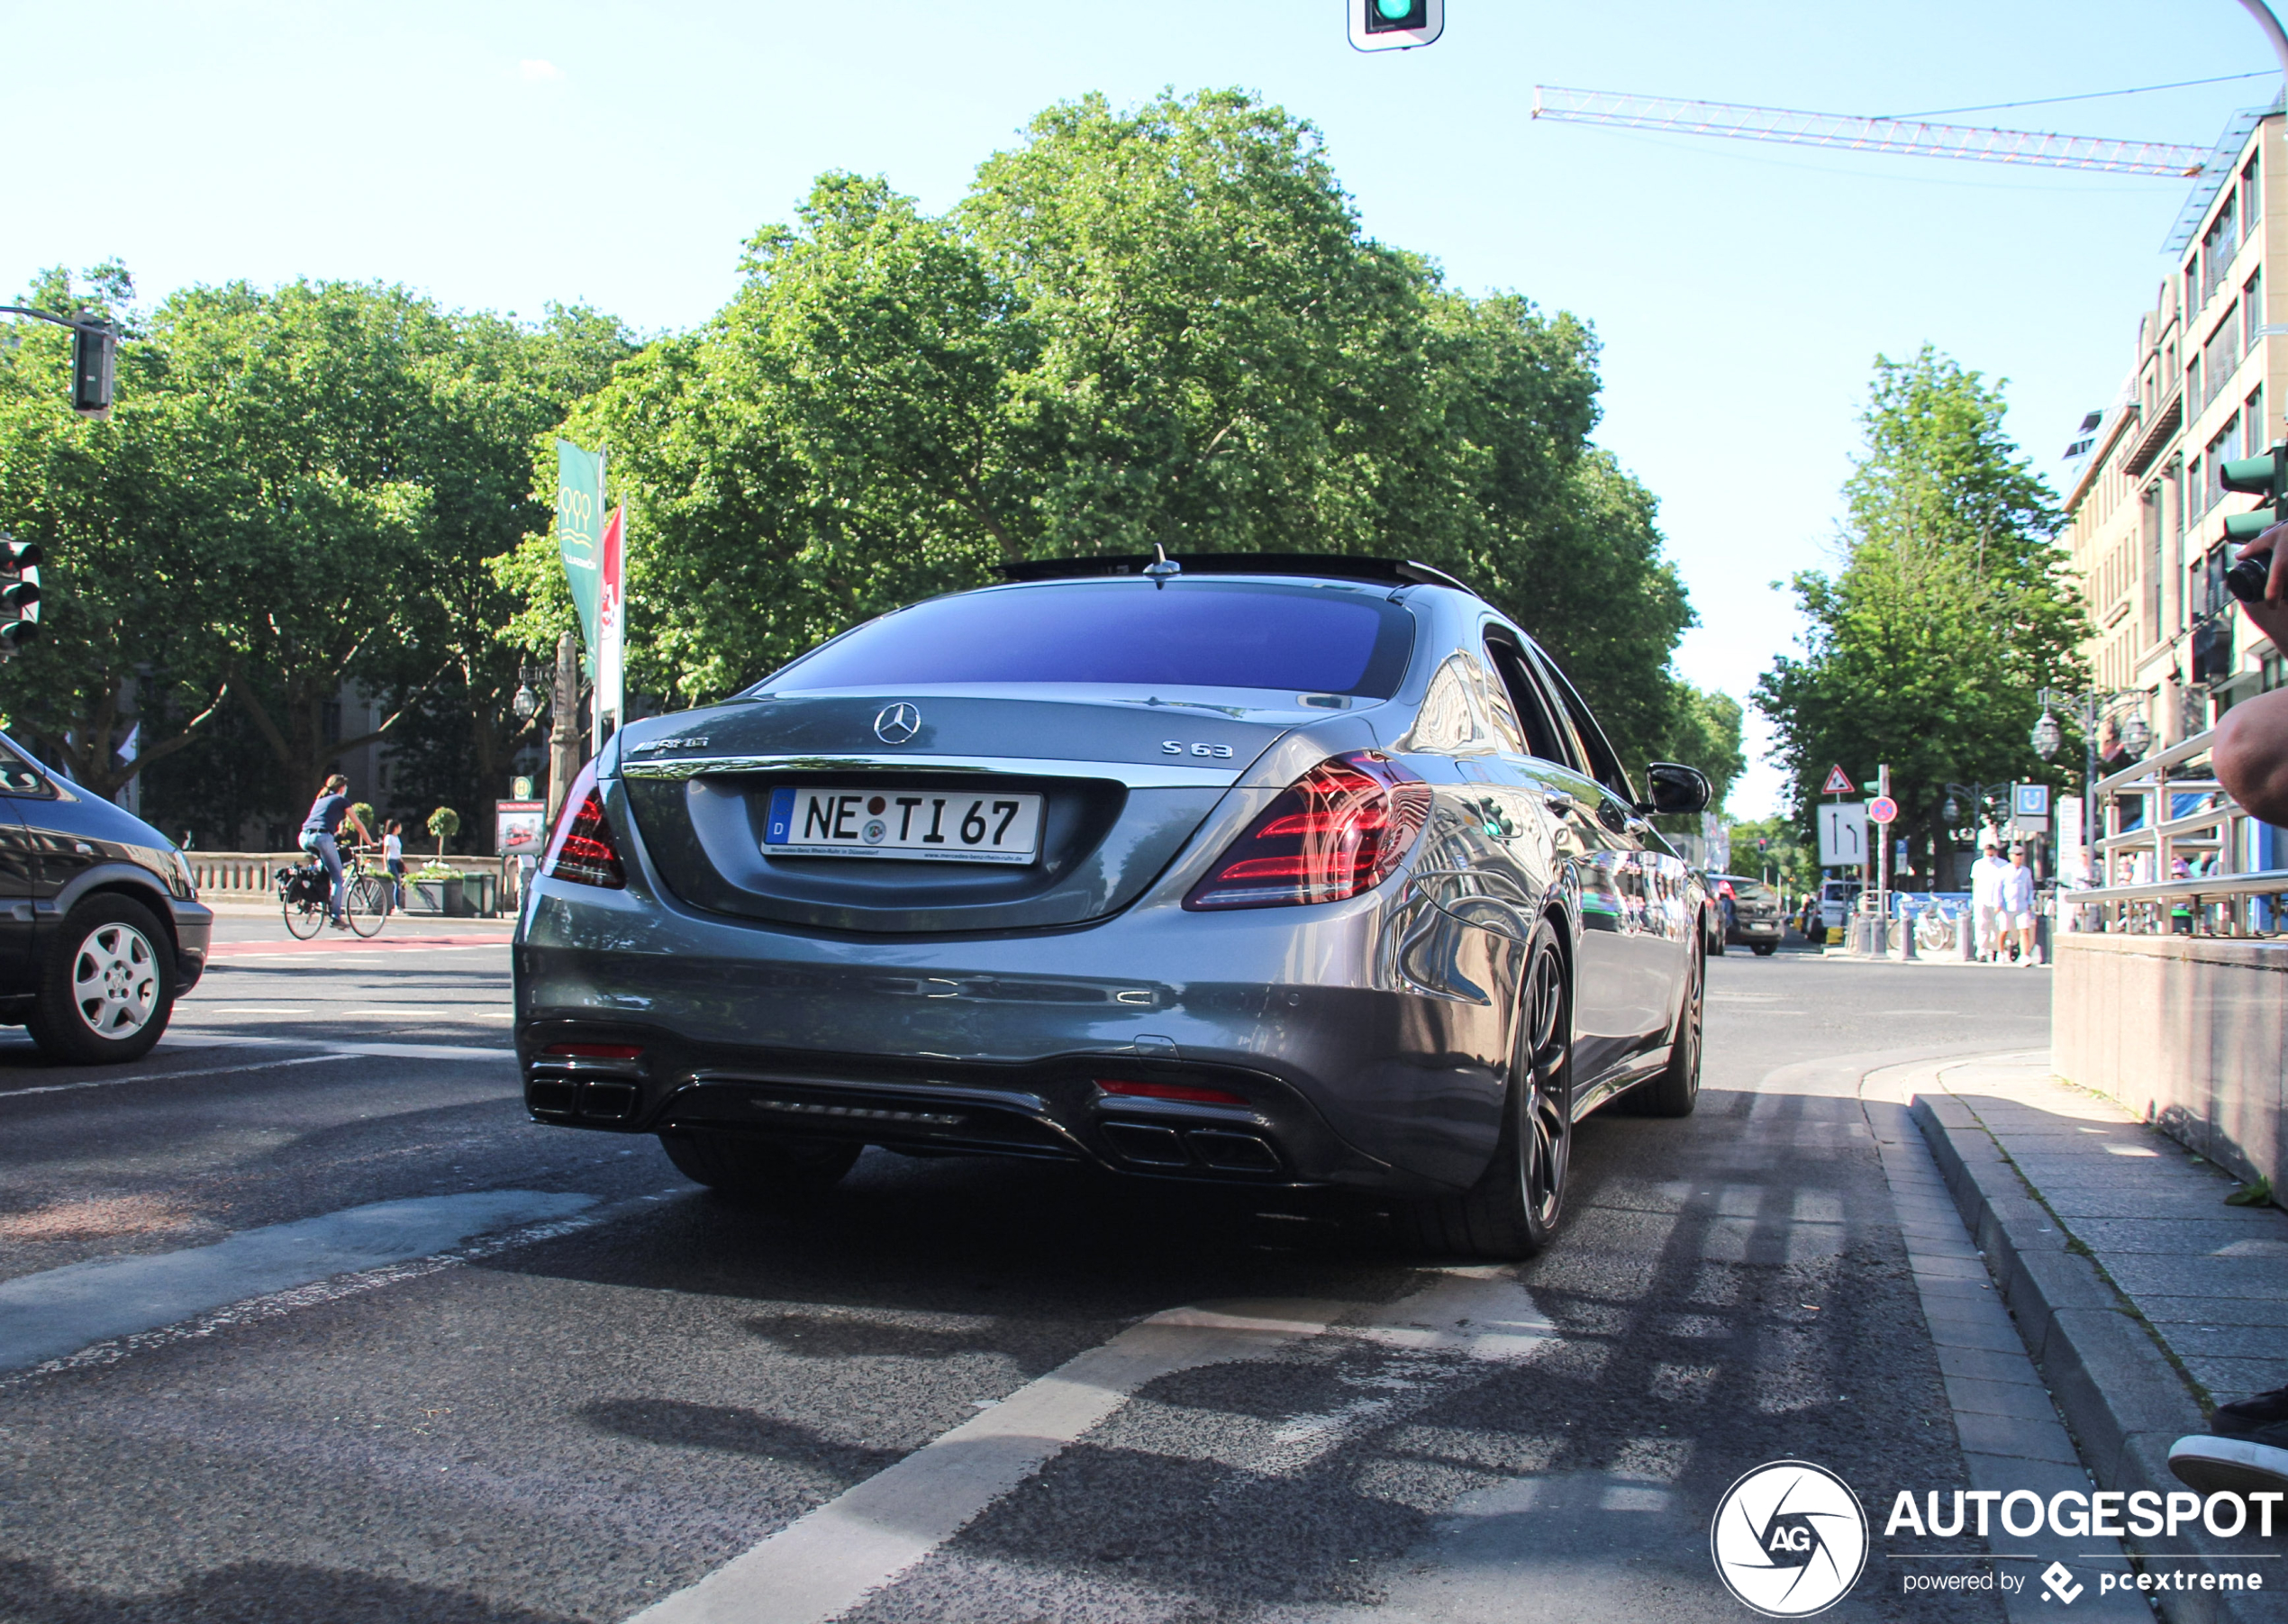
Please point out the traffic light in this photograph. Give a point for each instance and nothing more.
(19, 595)
(2267, 476)
(93, 347)
(1396, 24)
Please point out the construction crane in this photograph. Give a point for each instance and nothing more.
(1908, 136)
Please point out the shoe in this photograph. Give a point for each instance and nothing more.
(2238, 1466)
(335, 924)
(2264, 1418)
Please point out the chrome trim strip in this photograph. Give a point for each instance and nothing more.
(1136, 774)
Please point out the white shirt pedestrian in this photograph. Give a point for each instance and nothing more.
(1985, 899)
(2016, 899)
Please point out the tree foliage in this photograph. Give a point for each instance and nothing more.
(297, 487)
(1953, 607)
(1159, 326)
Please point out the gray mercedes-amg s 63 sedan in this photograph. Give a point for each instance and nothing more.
(1247, 869)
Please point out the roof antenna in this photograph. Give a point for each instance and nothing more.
(1162, 569)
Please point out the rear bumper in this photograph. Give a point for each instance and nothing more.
(1364, 1045)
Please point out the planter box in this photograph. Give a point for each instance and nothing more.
(445, 896)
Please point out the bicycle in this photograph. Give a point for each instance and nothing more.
(305, 895)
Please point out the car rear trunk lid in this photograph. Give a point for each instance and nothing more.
(1124, 785)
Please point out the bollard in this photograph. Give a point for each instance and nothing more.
(1904, 952)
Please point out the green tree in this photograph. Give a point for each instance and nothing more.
(1160, 326)
(444, 823)
(1953, 606)
(299, 488)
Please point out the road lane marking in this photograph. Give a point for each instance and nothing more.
(826, 1562)
(161, 1076)
(402, 944)
(58, 1311)
(376, 1050)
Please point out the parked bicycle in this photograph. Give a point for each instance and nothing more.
(305, 893)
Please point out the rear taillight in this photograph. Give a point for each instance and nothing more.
(597, 1051)
(582, 850)
(1337, 831)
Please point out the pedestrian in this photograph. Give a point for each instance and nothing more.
(318, 831)
(1985, 897)
(2014, 903)
(393, 857)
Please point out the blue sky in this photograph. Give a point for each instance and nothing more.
(502, 155)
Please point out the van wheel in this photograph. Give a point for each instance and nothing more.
(106, 985)
(758, 1168)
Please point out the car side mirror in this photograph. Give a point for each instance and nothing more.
(1676, 790)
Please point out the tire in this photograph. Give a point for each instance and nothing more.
(367, 903)
(1676, 1090)
(1766, 949)
(1517, 1204)
(758, 1168)
(303, 919)
(105, 987)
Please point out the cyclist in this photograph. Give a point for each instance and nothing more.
(318, 832)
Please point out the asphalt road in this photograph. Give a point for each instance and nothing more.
(630, 1383)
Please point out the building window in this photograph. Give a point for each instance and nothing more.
(2220, 449)
(2216, 249)
(2252, 311)
(2219, 356)
(2195, 502)
(2252, 211)
(2252, 423)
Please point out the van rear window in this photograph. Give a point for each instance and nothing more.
(1210, 634)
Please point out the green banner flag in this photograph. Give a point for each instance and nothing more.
(579, 529)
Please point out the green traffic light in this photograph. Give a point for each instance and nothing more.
(1394, 11)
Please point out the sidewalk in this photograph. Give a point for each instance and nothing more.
(2144, 1299)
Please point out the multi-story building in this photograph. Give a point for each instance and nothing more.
(2146, 507)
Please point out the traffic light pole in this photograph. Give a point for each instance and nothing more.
(94, 348)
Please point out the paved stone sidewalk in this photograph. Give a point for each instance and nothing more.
(2211, 1280)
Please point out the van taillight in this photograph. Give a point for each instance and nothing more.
(1337, 831)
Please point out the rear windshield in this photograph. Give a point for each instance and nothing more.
(1211, 635)
(1752, 891)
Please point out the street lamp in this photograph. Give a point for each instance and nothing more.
(528, 703)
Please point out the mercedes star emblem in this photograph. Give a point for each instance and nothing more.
(897, 723)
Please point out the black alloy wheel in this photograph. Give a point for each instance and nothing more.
(1676, 1090)
(1514, 1209)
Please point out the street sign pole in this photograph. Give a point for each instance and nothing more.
(1882, 860)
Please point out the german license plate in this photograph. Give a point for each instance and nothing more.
(928, 825)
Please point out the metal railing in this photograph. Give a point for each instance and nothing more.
(2217, 896)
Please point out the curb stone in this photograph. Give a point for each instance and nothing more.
(2122, 1399)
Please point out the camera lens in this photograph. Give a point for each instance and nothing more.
(2246, 579)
